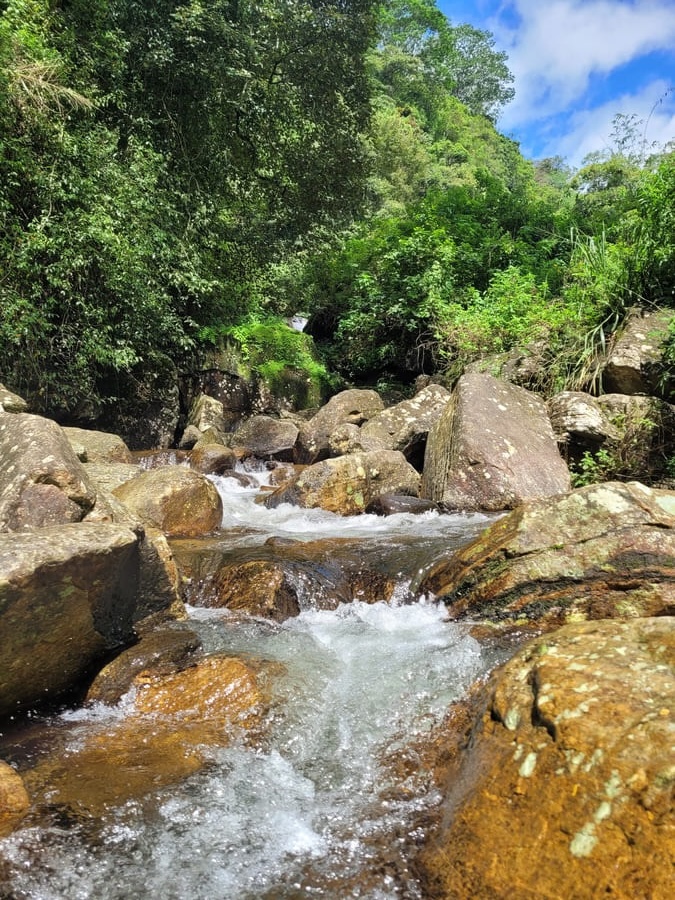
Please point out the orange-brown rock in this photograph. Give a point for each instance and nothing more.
(163, 739)
(212, 459)
(601, 551)
(346, 485)
(174, 499)
(257, 588)
(566, 787)
(14, 799)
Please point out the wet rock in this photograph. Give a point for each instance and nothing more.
(492, 448)
(174, 499)
(42, 482)
(348, 484)
(406, 425)
(66, 600)
(348, 407)
(10, 402)
(212, 459)
(391, 504)
(565, 787)
(189, 437)
(160, 652)
(635, 365)
(99, 446)
(14, 799)
(267, 438)
(602, 551)
(171, 722)
(257, 587)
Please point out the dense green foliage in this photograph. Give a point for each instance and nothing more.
(177, 171)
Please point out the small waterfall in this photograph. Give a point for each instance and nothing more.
(314, 809)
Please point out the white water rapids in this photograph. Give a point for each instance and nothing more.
(316, 800)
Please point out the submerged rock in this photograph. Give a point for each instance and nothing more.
(492, 448)
(14, 799)
(602, 551)
(564, 789)
(165, 736)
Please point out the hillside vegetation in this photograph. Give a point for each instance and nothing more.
(175, 170)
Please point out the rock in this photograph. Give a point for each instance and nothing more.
(212, 459)
(267, 438)
(108, 476)
(348, 484)
(174, 499)
(163, 651)
(579, 422)
(348, 407)
(406, 425)
(392, 504)
(207, 412)
(66, 600)
(99, 446)
(14, 799)
(189, 437)
(42, 482)
(347, 438)
(634, 365)
(602, 551)
(258, 588)
(10, 402)
(492, 448)
(164, 737)
(564, 789)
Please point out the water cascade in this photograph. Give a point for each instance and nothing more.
(314, 808)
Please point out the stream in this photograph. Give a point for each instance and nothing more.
(314, 809)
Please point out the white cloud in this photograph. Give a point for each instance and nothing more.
(559, 46)
(587, 130)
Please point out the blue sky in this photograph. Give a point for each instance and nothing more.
(577, 63)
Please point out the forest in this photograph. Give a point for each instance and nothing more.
(176, 172)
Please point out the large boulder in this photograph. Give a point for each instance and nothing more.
(10, 402)
(405, 425)
(42, 482)
(564, 788)
(352, 407)
(67, 598)
(348, 484)
(207, 412)
(492, 448)
(635, 363)
(601, 551)
(98, 446)
(174, 499)
(267, 438)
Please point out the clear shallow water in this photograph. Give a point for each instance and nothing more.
(313, 810)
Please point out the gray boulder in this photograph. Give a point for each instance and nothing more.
(42, 482)
(352, 407)
(492, 448)
(267, 437)
(10, 402)
(634, 365)
(98, 446)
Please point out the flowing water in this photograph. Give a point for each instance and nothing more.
(314, 809)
